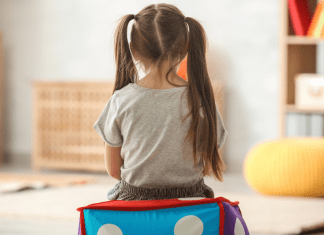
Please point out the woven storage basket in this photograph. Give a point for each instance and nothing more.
(63, 116)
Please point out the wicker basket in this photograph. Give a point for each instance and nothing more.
(63, 116)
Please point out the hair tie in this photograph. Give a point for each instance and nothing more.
(134, 17)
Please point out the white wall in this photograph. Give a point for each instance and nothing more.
(72, 40)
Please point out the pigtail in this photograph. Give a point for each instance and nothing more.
(125, 68)
(201, 94)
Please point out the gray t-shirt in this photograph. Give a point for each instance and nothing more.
(147, 124)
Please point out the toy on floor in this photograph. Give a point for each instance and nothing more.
(179, 216)
(291, 166)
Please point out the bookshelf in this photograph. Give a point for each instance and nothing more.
(298, 54)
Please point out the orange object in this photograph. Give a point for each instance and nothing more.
(314, 26)
(182, 72)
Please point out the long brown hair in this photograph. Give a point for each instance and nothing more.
(161, 32)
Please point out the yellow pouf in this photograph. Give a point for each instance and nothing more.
(287, 166)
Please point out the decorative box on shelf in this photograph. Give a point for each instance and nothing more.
(63, 116)
(309, 91)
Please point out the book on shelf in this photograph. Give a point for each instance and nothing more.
(300, 16)
(316, 28)
(307, 124)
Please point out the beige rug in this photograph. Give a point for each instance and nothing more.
(262, 214)
(12, 182)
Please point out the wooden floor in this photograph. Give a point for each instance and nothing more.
(32, 226)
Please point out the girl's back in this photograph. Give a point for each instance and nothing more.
(152, 125)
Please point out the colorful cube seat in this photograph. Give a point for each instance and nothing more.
(179, 216)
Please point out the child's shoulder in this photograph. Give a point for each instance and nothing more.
(123, 90)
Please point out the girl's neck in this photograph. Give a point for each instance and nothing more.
(152, 82)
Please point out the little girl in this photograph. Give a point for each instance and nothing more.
(145, 117)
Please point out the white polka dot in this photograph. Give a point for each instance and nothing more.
(190, 198)
(109, 229)
(239, 229)
(189, 225)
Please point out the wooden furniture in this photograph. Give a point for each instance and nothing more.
(63, 116)
(298, 55)
(2, 100)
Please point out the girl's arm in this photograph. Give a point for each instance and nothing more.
(113, 161)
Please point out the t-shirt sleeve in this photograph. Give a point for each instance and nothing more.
(221, 131)
(107, 125)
